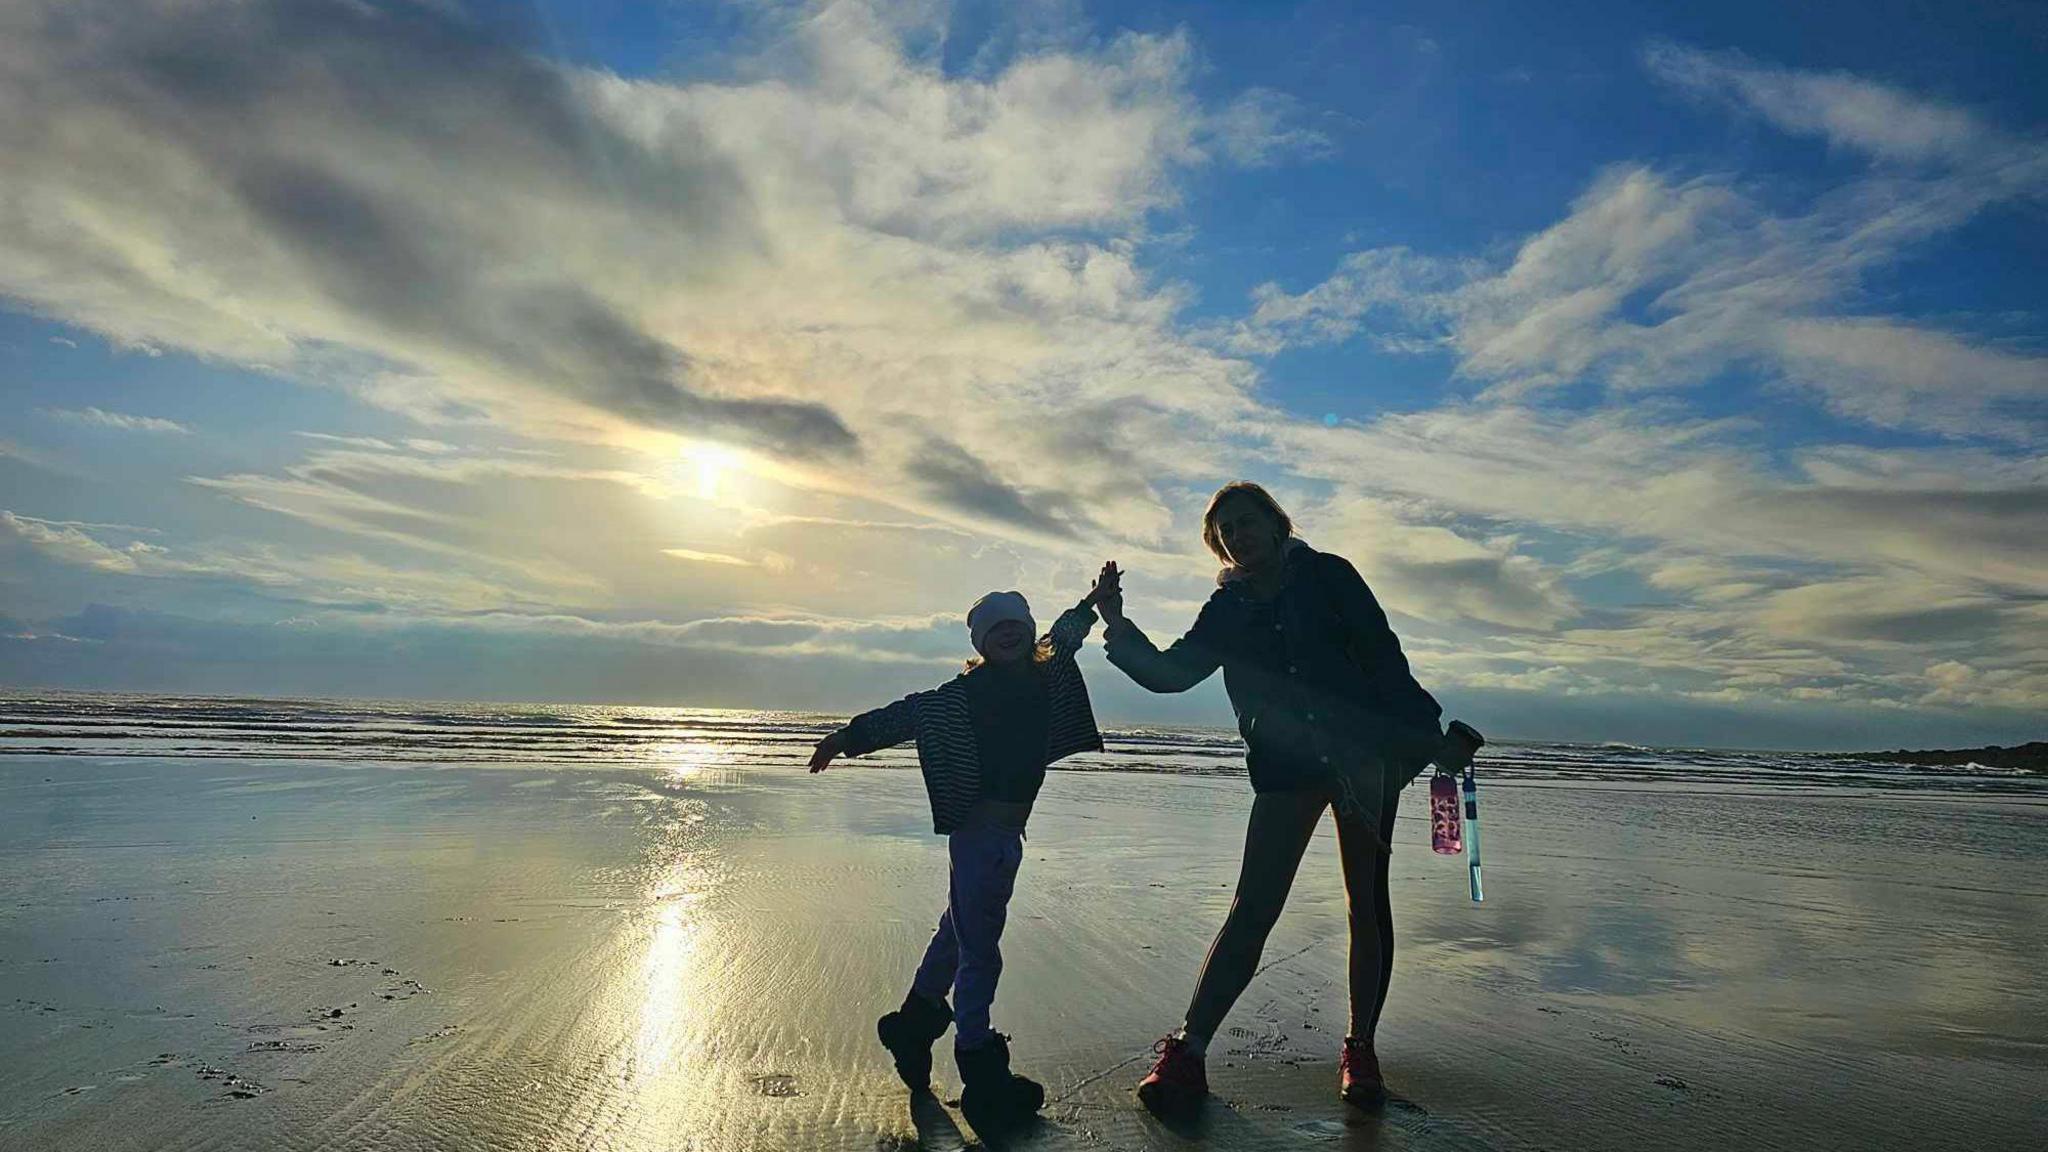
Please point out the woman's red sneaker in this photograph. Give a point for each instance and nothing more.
(1358, 1075)
(1177, 1083)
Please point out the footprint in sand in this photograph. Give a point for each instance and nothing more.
(1620, 1042)
(237, 1087)
(282, 1046)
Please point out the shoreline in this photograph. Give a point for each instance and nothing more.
(2034, 753)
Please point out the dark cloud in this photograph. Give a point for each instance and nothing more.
(1490, 587)
(1997, 536)
(1971, 624)
(107, 647)
(386, 160)
(956, 478)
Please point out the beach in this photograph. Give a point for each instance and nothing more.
(281, 952)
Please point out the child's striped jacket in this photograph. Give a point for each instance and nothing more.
(938, 720)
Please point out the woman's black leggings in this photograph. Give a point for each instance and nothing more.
(1279, 831)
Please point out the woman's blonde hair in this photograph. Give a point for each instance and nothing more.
(1251, 491)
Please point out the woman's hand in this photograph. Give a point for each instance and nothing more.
(1108, 593)
(831, 746)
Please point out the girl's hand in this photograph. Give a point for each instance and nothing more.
(1108, 593)
(829, 747)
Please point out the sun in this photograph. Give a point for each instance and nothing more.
(713, 463)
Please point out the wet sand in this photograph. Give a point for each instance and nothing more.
(288, 955)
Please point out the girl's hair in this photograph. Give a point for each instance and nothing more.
(1251, 491)
(1039, 655)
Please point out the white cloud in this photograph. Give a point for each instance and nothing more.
(367, 443)
(1395, 286)
(1433, 573)
(1897, 376)
(846, 247)
(934, 641)
(696, 557)
(100, 418)
(1655, 286)
(1261, 126)
(921, 301)
(1846, 110)
(68, 542)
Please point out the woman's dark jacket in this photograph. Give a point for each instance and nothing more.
(1315, 674)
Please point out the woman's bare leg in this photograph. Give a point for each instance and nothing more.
(1279, 830)
(1372, 917)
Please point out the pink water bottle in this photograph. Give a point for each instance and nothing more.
(1446, 825)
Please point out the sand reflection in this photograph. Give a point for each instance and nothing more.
(669, 975)
(664, 980)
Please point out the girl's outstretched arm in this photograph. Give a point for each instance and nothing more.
(869, 732)
(1071, 630)
(882, 728)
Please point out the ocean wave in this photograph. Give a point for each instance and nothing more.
(220, 727)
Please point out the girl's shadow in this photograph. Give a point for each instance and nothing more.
(937, 1131)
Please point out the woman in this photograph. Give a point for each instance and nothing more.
(1329, 713)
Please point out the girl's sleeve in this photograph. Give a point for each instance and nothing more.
(1070, 631)
(1186, 662)
(882, 728)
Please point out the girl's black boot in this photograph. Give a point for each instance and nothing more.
(909, 1032)
(992, 1097)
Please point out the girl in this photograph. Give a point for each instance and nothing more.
(984, 739)
(1329, 714)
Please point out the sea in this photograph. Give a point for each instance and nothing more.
(52, 723)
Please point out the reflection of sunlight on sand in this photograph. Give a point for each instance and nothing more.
(664, 996)
(669, 974)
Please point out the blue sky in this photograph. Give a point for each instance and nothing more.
(1673, 373)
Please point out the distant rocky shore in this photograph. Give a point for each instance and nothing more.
(2032, 757)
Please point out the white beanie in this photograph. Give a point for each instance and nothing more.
(995, 608)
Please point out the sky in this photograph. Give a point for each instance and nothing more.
(1673, 373)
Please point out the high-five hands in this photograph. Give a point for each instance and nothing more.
(1108, 593)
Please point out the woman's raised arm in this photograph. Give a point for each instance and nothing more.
(1185, 663)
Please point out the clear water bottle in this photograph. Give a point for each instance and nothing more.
(1446, 824)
